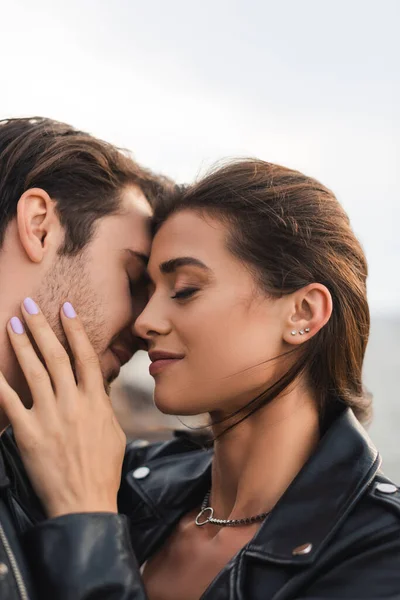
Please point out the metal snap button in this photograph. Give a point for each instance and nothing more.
(3, 570)
(141, 472)
(139, 444)
(386, 488)
(303, 549)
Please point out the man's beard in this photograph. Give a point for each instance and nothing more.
(69, 280)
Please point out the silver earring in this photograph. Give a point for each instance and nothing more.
(307, 330)
(293, 332)
(301, 332)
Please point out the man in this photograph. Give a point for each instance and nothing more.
(74, 224)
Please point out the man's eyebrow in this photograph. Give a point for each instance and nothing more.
(170, 266)
(142, 257)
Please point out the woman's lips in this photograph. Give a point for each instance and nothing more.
(159, 365)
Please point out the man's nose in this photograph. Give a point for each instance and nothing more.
(139, 301)
(141, 344)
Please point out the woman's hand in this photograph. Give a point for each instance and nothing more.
(70, 441)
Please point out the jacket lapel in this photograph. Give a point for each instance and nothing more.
(173, 486)
(320, 497)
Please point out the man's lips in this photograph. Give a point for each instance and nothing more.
(162, 359)
(123, 354)
(113, 370)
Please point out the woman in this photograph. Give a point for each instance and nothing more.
(258, 316)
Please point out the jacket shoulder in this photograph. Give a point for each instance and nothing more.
(375, 517)
(363, 559)
(385, 494)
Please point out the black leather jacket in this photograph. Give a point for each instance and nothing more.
(334, 534)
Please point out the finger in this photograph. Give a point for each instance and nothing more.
(11, 404)
(87, 363)
(55, 356)
(35, 372)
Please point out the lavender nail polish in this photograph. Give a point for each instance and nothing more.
(16, 325)
(69, 310)
(31, 306)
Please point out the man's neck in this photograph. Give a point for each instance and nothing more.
(19, 278)
(4, 422)
(5, 367)
(11, 371)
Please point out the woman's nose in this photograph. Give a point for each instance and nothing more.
(150, 323)
(140, 328)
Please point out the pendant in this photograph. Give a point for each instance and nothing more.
(201, 513)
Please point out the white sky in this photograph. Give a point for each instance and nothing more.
(312, 84)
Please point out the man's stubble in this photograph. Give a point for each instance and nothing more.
(69, 281)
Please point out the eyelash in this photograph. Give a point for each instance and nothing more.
(184, 294)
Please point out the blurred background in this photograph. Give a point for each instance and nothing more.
(312, 85)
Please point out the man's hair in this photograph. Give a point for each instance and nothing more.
(84, 176)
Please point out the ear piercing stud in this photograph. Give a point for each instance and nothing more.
(301, 332)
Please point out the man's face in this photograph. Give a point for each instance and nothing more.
(104, 282)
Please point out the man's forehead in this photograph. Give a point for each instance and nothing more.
(134, 200)
(134, 223)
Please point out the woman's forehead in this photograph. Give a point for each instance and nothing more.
(187, 230)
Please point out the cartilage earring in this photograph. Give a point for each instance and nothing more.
(293, 332)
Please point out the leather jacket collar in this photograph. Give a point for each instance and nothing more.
(4, 481)
(13, 477)
(309, 512)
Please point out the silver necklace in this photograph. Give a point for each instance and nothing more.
(224, 522)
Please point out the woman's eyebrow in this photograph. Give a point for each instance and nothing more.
(170, 266)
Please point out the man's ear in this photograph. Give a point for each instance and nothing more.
(36, 222)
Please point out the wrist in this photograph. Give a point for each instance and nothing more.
(79, 508)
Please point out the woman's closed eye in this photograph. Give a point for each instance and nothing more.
(184, 293)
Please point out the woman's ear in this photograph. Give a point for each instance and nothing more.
(311, 308)
(36, 219)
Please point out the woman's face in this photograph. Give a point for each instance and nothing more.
(206, 309)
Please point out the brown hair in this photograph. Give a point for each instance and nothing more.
(83, 175)
(292, 231)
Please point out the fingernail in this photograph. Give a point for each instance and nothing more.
(16, 325)
(31, 306)
(69, 310)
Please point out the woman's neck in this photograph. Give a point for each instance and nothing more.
(256, 460)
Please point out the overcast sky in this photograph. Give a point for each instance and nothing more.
(311, 84)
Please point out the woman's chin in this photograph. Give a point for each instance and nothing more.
(170, 404)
